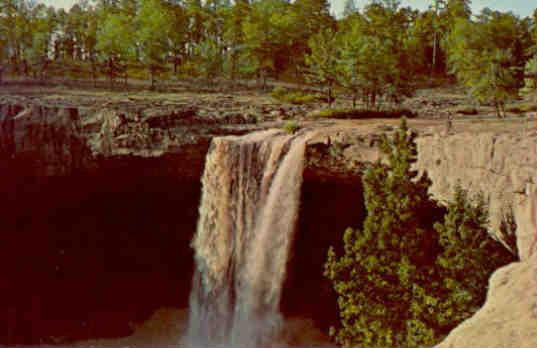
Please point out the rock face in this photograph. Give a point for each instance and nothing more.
(501, 166)
(46, 139)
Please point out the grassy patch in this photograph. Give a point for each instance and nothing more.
(364, 114)
(291, 127)
(295, 97)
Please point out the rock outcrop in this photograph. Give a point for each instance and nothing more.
(500, 165)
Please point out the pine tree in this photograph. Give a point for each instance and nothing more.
(322, 62)
(382, 272)
(531, 75)
(404, 280)
(469, 256)
(488, 57)
(115, 43)
(154, 24)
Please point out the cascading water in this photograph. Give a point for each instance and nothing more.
(249, 206)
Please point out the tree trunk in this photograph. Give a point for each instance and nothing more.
(93, 73)
(497, 108)
(110, 73)
(502, 109)
(233, 66)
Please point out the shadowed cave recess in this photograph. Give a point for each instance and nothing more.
(93, 253)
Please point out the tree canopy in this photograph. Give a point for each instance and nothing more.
(383, 49)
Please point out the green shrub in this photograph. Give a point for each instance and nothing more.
(295, 97)
(404, 280)
(291, 127)
(364, 114)
(278, 92)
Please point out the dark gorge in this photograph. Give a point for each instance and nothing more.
(95, 251)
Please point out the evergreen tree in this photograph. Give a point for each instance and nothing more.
(116, 44)
(375, 55)
(488, 56)
(267, 37)
(209, 59)
(234, 34)
(469, 256)
(404, 280)
(322, 62)
(531, 76)
(154, 26)
(386, 265)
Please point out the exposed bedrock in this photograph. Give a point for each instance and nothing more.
(100, 204)
(502, 166)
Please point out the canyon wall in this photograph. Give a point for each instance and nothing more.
(501, 166)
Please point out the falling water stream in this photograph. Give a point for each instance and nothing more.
(248, 210)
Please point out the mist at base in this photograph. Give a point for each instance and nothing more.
(167, 328)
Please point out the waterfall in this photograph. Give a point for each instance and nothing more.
(249, 206)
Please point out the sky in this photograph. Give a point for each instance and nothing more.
(519, 7)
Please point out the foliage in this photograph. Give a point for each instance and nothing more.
(400, 281)
(531, 75)
(153, 28)
(322, 62)
(115, 43)
(384, 266)
(373, 53)
(291, 127)
(488, 56)
(295, 97)
(469, 256)
(209, 58)
(266, 37)
(364, 114)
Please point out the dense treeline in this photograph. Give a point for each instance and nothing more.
(376, 54)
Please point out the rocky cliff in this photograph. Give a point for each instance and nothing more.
(500, 164)
(498, 159)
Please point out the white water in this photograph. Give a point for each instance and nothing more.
(249, 206)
